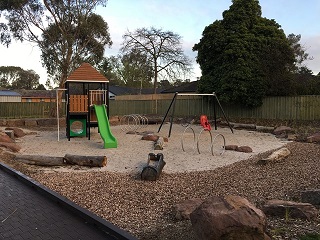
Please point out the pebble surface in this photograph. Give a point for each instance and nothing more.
(145, 209)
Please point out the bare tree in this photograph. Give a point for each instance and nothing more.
(163, 49)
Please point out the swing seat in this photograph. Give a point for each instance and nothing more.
(205, 123)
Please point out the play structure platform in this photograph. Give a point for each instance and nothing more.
(87, 97)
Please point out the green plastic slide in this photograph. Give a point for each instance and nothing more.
(104, 127)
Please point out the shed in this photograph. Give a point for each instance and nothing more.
(9, 96)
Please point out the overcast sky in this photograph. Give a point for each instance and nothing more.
(188, 19)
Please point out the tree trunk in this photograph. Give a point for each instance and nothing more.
(90, 161)
(40, 160)
(155, 81)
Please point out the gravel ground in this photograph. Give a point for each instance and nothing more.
(145, 209)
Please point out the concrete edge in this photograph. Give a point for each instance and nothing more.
(83, 213)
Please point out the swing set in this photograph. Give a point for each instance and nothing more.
(203, 121)
(214, 102)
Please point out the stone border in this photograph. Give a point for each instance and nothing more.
(31, 122)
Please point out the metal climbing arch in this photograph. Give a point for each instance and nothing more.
(218, 138)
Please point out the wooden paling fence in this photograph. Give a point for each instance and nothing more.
(280, 108)
(28, 109)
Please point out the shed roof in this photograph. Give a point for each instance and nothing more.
(9, 93)
(86, 73)
(37, 93)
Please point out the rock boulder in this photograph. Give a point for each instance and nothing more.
(290, 209)
(185, 208)
(150, 137)
(276, 156)
(5, 138)
(12, 146)
(245, 149)
(314, 138)
(231, 147)
(18, 132)
(282, 130)
(311, 196)
(230, 217)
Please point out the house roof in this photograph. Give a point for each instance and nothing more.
(117, 90)
(86, 73)
(9, 93)
(190, 87)
(37, 93)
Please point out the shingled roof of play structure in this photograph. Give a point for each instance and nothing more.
(86, 73)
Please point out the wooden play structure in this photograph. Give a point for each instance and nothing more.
(87, 97)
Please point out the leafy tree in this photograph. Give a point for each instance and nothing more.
(4, 82)
(305, 83)
(165, 84)
(241, 55)
(18, 78)
(131, 70)
(27, 80)
(299, 51)
(162, 49)
(136, 71)
(179, 82)
(11, 4)
(9, 75)
(5, 36)
(109, 67)
(41, 87)
(67, 32)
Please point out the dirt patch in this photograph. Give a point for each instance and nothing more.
(132, 152)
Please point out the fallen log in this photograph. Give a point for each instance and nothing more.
(154, 167)
(90, 161)
(244, 126)
(40, 160)
(158, 145)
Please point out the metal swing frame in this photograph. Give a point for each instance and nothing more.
(173, 102)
